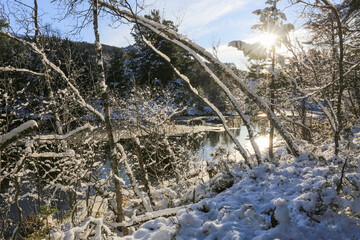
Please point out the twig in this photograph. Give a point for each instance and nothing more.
(339, 186)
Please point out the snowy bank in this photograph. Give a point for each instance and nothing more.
(295, 200)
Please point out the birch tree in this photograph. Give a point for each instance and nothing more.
(109, 129)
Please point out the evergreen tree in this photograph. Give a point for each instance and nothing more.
(116, 70)
(147, 66)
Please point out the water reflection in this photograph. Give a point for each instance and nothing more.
(214, 140)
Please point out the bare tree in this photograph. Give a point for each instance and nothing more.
(109, 130)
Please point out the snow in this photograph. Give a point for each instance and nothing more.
(289, 194)
(281, 211)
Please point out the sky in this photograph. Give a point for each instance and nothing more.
(207, 22)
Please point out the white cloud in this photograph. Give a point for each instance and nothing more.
(198, 17)
(207, 11)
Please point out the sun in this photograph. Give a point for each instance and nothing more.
(267, 40)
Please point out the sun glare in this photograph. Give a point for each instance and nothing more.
(267, 39)
(262, 142)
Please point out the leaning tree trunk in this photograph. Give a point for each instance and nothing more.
(185, 43)
(272, 103)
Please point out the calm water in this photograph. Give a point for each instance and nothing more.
(214, 140)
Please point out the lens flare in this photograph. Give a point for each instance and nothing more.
(267, 40)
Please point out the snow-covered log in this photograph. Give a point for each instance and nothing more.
(17, 133)
(182, 41)
(148, 216)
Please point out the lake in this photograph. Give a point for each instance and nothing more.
(216, 139)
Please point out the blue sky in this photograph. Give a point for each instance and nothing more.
(207, 22)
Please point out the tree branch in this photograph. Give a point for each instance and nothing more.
(16, 133)
(12, 69)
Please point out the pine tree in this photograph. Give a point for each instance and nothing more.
(148, 66)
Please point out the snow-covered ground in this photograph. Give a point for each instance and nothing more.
(295, 200)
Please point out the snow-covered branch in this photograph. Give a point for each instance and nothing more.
(67, 153)
(17, 133)
(87, 126)
(12, 69)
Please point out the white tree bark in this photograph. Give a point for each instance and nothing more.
(120, 217)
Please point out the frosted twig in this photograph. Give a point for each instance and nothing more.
(12, 69)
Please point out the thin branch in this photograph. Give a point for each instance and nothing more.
(12, 69)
